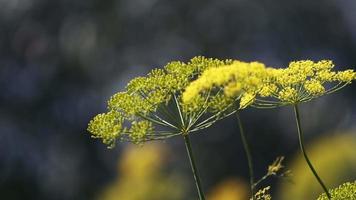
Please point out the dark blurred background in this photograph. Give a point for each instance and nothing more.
(61, 60)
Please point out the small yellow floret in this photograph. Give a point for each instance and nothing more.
(139, 130)
(232, 89)
(325, 76)
(314, 87)
(238, 78)
(268, 90)
(246, 100)
(130, 104)
(346, 76)
(263, 194)
(106, 126)
(288, 94)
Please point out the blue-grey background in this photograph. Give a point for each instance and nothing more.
(61, 60)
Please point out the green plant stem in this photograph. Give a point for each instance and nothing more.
(301, 144)
(193, 166)
(248, 155)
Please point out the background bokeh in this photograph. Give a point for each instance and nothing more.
(61, 60)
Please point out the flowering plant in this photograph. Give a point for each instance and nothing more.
(183, 98)
(258, 86)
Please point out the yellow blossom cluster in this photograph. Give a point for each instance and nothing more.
(346, 191)
(140, 112)
(239, 80)
(266, 87)
(263, 194)
(107, 126)
(304, 80)
(207, 85)
(139, 129)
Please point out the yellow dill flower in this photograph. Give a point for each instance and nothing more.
(219, 102)
(268, 90)
(238, 80)
(229, 189)
(301, 81)
(142, 175)
(276, 166)
(246, 100)
(233, 88)
(263, 194)
(107, 126)
(325, 75)
(345, 76)
(346, 191)
(139, 130)
(288, 94)
(314, 87)
(129, 104)
(152, 108)
(334, 158)
(267, 87)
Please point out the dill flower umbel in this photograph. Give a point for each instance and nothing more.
(263, 194)
(151, 108)
(302, 81)
(253, 84)
(107, 126)
(346, 191)
(265, 87)
(236, 81)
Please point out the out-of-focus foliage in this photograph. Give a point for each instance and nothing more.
(60, 61)
(346, 191)
(229, 189)
(142, 176)
(334, 159)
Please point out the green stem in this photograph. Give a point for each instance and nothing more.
(193, 166)
(248, 155)
(301, 144)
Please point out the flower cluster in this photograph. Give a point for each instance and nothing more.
(346, 191)
(107, 126)
(304, 80)
(151, 108)
(238, 80)
(263, 194)
(175, 99)
(265, 87)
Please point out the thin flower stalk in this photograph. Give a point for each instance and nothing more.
(151, 108)
(194, 167)
(248, 155)
(302, 148)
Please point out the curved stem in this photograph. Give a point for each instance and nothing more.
(193, 166)
(301, 144)
(248, 155)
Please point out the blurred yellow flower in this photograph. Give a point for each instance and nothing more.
(229, 189)
(142, 176)
(334, 158)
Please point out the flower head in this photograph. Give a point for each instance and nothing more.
(151, 107)
(107, 126)
(302, 81)
(263, 194)
(235, 81)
